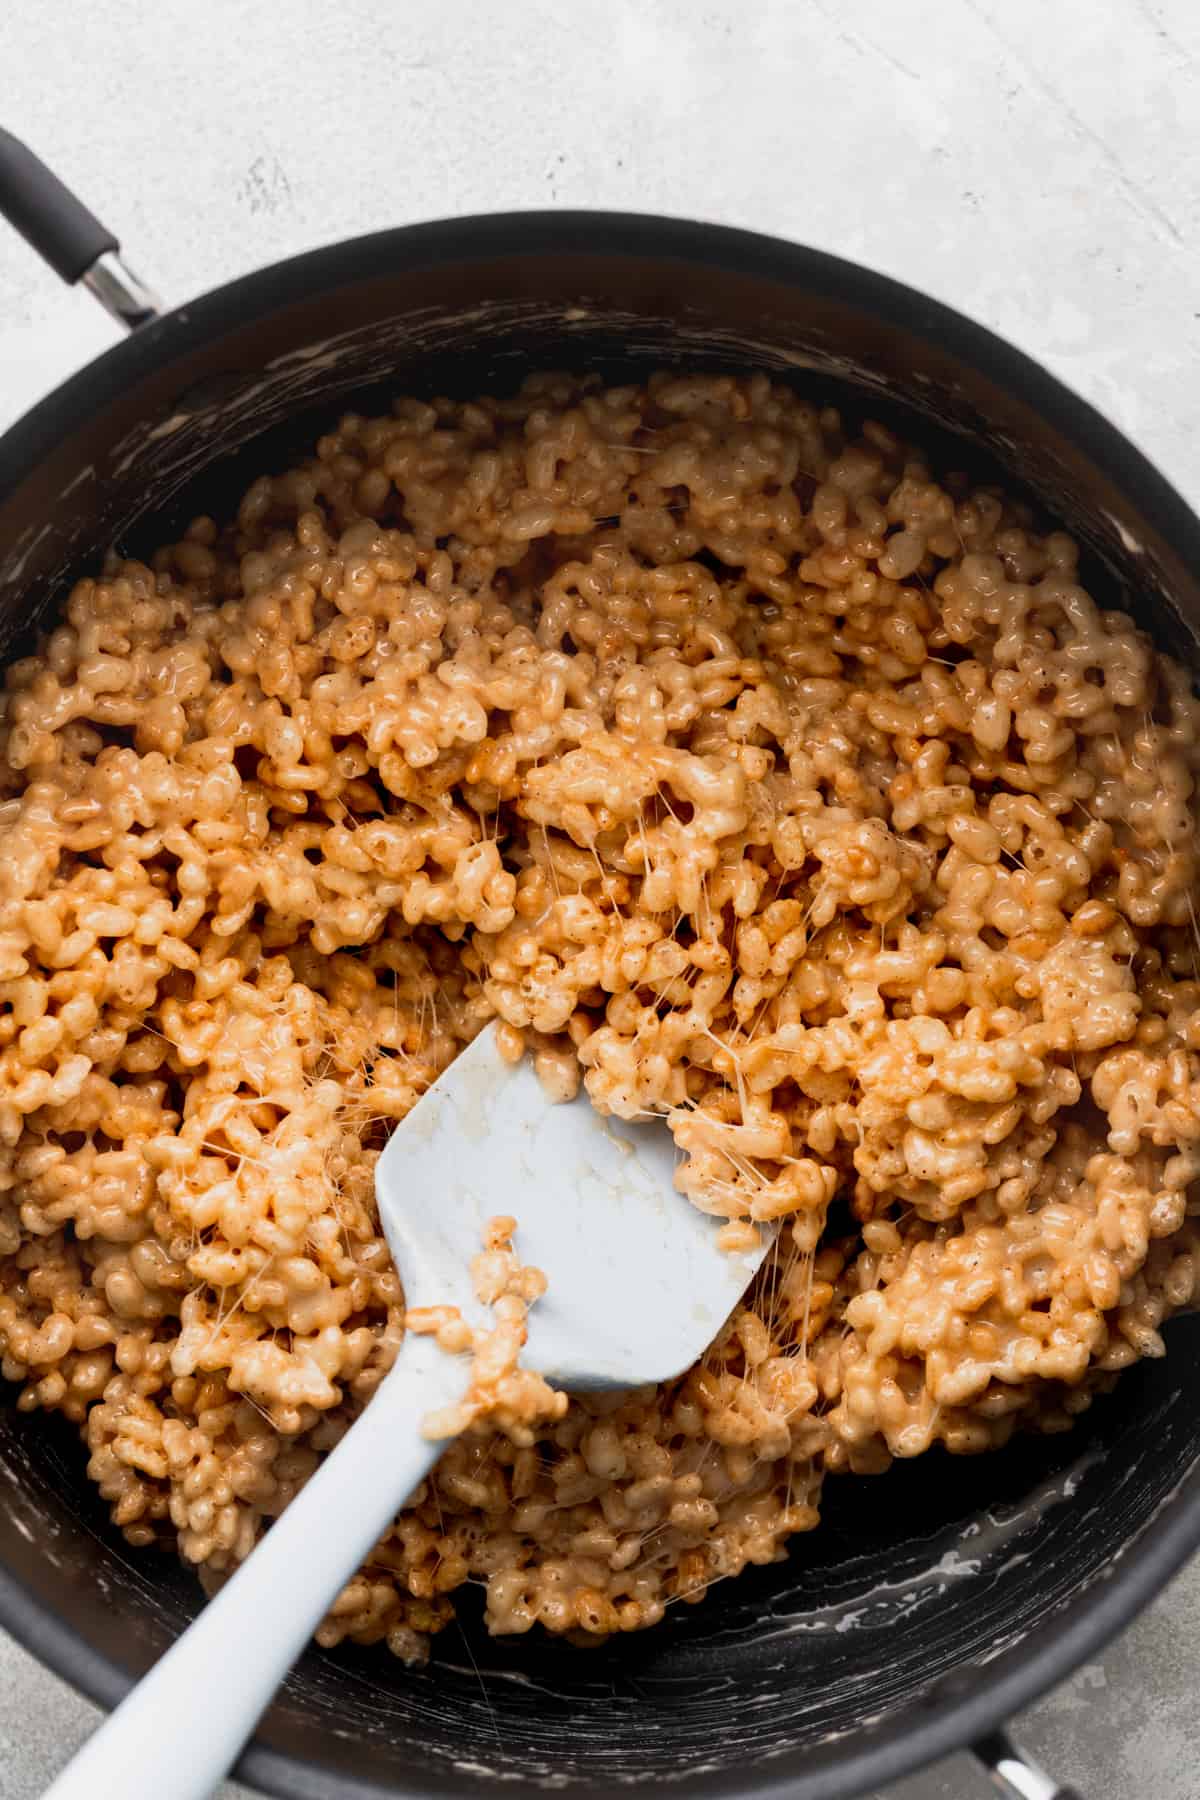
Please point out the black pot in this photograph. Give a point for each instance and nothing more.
(934, 1601)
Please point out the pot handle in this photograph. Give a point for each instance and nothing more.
(1015, 1775)
(67, 236)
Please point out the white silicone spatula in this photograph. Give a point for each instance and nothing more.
(637, 1289)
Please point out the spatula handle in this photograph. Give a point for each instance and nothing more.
(184, 1725)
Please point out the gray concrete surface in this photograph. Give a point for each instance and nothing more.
(1034, 162)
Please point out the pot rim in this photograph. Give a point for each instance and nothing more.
(965, 1707)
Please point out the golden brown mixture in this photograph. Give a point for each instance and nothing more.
(497, 1386)
(734, 762)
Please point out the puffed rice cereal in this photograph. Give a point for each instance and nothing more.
(748, 774)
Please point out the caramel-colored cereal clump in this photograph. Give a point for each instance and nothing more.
(749, 775)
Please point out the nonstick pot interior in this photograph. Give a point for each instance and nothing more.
(932, 1600)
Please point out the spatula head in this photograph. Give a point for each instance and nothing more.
(637, 1285)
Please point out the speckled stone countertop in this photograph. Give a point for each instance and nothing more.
(1033, 162)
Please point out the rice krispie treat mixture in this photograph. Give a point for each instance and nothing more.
(754, 777)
